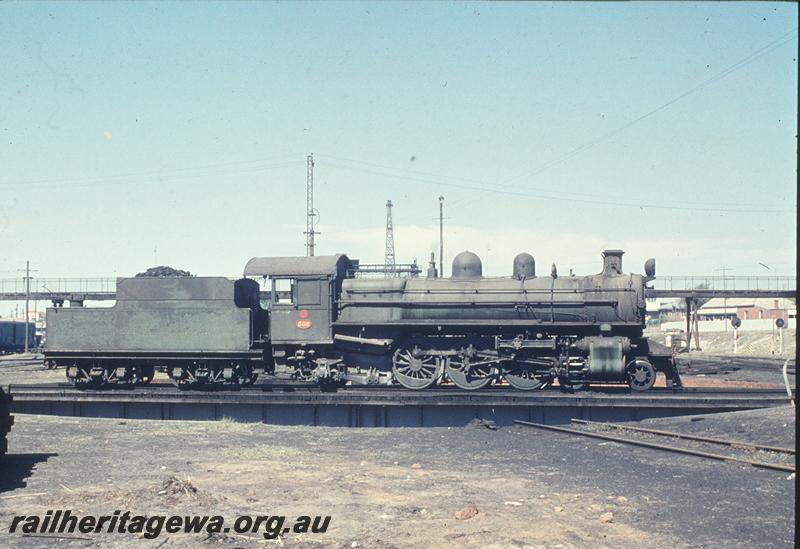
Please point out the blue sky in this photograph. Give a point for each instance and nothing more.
(668, 130)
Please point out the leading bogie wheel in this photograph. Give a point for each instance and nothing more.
(641, 375)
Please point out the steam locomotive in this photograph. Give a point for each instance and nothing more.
(311, 319)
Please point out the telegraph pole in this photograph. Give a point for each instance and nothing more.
(27, 301)
(441, 235)
(27, 278)
(389, 261)
(311, 213)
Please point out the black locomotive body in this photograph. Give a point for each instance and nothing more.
(316, 322)
(470, 330)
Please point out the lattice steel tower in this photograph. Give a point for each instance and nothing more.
(312, 214)
(389, 263)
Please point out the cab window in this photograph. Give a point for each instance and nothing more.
(308, 292)
(283, 291)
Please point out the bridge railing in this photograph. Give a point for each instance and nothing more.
(58, 285)
(725, 283)
(107, 285)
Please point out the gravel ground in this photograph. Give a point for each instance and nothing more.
(403, 487)
(28, 371)
(750, 344)
(694, 367)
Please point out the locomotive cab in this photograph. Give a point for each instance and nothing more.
(302, 291)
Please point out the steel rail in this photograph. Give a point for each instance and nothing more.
(733, 443)
(760, 464)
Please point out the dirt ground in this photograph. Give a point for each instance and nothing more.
(400, 487)
(698, 370)
(404, 487)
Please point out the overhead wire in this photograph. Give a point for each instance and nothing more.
(502, 188)
(150, 175)
(483, 185)
(564, 197)
(479, 186)
(753, 56)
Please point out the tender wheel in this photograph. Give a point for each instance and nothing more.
(78, 376)
(252, 379)
(415, 370)
(145, 374)
(244, 375)
(182, 377)
(523, 377)
(469, 373)
(641, 375)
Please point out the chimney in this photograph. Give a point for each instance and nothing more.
(612, 262)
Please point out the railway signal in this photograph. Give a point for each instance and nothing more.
(780, 323)
(736, 322)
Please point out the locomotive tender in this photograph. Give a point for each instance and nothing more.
(206, 326)
(313, 321)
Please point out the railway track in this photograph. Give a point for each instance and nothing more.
(386, 407)
(731, 444)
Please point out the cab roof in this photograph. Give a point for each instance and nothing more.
(320, 265)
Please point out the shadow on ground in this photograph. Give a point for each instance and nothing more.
(15, 468)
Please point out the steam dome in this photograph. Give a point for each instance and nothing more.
(524, 266)
(467, 265)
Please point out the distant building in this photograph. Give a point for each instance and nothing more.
(720, 308)
(659, 309)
